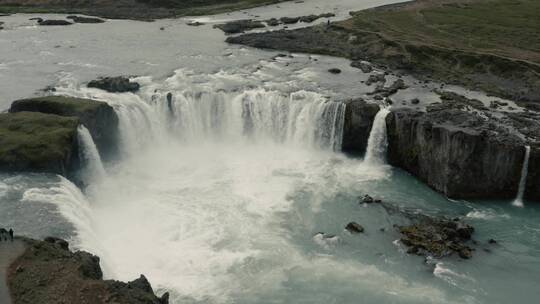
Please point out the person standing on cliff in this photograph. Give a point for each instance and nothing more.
(11, 234)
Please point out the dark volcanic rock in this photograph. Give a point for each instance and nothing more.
(354, 227)
(273, 22)
(456, 151)
(239, 26)
(54, 22)
(334, 71)
(97, 116)
(359, 116)
(437, 237)
(387, 91)
(364, 67)
(47, 272)
(289, 20)
(118, 84)
(80, 19)
(376, 78)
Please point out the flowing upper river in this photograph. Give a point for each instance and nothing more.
(230, 186)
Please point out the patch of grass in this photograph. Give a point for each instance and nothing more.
(60, 105)
(508, 28)
(35, 140)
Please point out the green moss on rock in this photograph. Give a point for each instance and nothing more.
(38, 142)
(97, 116)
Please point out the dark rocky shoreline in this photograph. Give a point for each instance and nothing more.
(48, 272)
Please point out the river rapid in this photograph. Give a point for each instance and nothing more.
(237, 191)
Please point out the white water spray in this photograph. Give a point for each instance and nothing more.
(92, 167)
(518, 202)
(378, 141)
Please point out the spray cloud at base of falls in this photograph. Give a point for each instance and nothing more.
(518, 202)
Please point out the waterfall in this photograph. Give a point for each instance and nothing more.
(518, 202)
(92, 167)
(301, 118)
(377, 142)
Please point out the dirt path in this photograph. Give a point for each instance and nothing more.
(9, 251)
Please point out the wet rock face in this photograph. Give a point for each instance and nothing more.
(118, 84)
(455, 151)
(97, 116)
(359, 116)
(437, 237)
(47, 272)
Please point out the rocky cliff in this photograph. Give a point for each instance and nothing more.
(98, 117)
(358, 121)
(38, 142)
(48, 272)
(457, 150)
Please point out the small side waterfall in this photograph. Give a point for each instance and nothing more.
(518, 202)
(92, 167)
(377, 142)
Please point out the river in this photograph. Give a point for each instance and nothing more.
(216, 206)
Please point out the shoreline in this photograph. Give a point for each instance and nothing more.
(509, 73)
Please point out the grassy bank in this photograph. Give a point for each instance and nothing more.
(490, 45)
(36, 141)
(131, 9)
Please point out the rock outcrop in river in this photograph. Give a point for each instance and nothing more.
(97, 116)
(38, 142)
(48, 272)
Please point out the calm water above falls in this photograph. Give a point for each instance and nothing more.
(219, 197)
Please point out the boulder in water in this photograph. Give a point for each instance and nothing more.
(354, 227)
(437, 237)
(367, 199)
(334, 70)
(54, 22)
(81, 19)
(118, 84)
(289, 20)
(363, 66)
(239, 26)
